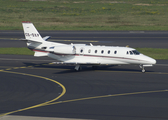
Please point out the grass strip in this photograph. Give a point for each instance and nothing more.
(156, 53)
(16, 51)
(85, 14)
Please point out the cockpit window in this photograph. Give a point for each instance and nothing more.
(131, 53)
(136, 52)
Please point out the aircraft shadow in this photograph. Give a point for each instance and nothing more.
(70, 68)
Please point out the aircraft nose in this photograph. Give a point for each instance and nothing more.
(152, 61)
(149, 60)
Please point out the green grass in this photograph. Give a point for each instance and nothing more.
(16, 51)
(85, 14)
(155, 53)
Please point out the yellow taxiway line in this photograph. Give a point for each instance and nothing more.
(38, 105)
(52, 102)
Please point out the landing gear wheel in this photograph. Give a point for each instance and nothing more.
(78, 68)
(142, 67)
(143, 71)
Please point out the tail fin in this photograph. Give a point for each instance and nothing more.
(31, 32)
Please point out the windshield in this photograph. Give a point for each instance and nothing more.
(136, 52)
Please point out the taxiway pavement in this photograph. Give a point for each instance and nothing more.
(132, 38)
(35, 87)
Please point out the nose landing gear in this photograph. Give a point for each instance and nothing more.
(143, 70)
(142, 67)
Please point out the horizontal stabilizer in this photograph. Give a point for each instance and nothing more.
(40, 54)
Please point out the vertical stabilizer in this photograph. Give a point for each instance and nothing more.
(31, 32)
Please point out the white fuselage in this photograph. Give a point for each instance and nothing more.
(81, 54)
(89, 54)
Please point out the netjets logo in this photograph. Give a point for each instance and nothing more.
(32, 35)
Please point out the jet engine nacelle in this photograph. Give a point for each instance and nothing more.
(65, 49)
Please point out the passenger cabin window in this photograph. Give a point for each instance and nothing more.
(109, 52)
(102, 51)
(115, 52)
(81, 50)
(89, 51)
(95, 51)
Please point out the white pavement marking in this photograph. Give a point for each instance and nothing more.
(15, 117)
(24, 59)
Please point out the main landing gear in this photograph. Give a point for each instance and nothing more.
(78, 68)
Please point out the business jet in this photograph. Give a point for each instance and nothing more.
(82, 54)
